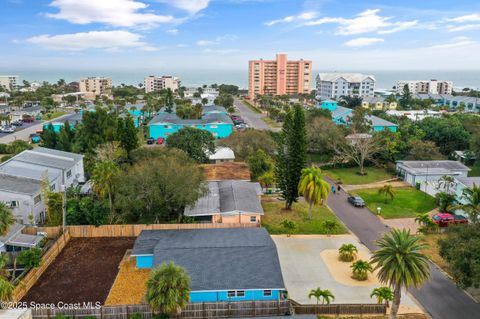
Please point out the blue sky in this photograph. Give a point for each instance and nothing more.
(225, 34)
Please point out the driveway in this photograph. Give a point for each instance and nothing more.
(440, 297)
(250, 117)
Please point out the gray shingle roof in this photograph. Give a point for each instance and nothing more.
(22, 185)
(226, 197)
(217, 259)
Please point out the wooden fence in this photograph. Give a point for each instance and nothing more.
(32, 276)
(125, 230)
(192, 311)
(340, 309)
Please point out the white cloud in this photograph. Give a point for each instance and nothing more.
(466, 18)
(191, 6)
(305, 16)
(204, 43)
(108, 40)
(118, 13)
(458, 42)
(226, 37)
(465, 27)
(367, 21)
(172, 31)
(362, 42)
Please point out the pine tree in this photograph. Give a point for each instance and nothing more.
(406, 98)
(128, 134)
(49, 137)
(291, 155)
(65, 138)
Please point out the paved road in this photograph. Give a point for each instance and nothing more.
(27, 130)
(439, 296)
(253, 119)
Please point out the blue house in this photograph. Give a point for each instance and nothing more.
(213, 109)
(341, 116)
(58, 124)
(164, 124)
(229, 264)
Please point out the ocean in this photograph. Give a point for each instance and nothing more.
(385, 79)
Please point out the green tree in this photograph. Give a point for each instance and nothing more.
(195, 142)
(446, 182)
(128, 135)
(290, 226)
(30, 258)
(330, 226)
(18, 146)
(6, 219)
(325, 295)
(423, 151)
(248, 142)
(387, 191)
(383, 294)
(351, 102)
(291, 155)
(360, 269)
(6, 290)
(360, 122)
(313, 187)
(49, 137)
(471, 197)
(426, 222)
(445, 201)
(406, 98)
(348, 252)
(65, 138)
(103, 176)
(400, 263)
(259, 164)
(168, 289)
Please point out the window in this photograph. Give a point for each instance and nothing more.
(52, 187)
(231, 294)
(253, 219)
(37, 199)
(240, 293)
(267, 293)
(69, 173)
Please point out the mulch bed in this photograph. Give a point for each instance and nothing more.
(83, 272)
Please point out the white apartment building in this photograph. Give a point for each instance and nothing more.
(426, 87)
(98, 86)
(9, 82)
(335, 85)
(156, 83)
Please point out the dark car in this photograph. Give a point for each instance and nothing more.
(445, 219)
(356, 201)
(17, 123)
(150, 140)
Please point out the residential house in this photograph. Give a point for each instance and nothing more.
(453, 102)
(213, 109)
(222, 155)
(466, 157)
(462, 183)
(378, 103)
(164, 124)
(59, 123)
(15, 240)
(228, 201)
(230, 264)
(415, 115)
(335, 85)
(341, 116)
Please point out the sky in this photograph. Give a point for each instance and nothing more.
(224, 34)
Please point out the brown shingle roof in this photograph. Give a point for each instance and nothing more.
(226, 171)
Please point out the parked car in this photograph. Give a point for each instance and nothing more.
(150, 140)
(160, 141)
(17, 123)
(7, 129)
(35, 138)
(445, 219)
(356, 201)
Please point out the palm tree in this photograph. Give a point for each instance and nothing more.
(446, 182)
(382, 294)
(168, 289)
(360, 269)
(471, 196)
(6, 219)
(401, 263)
(325, 295)
(348, 252)
(102, 180)
(445, 200)
(387, 190)
(313, 188)
(426, 222)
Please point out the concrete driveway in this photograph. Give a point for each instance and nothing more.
(303, 269)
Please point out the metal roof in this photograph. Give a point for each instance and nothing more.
(377, 121)
(222, 153)
(469, 181)
(21, 185)
(171, 118)
(45, 159)
(440, 167)
(28, 170)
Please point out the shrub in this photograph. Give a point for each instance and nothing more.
(290, 226)
(348, 252)
(360, 269)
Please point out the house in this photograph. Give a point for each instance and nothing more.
(222, 155)
(461, 183)
(429, 172)
(453, 102)
(15, 240)
(164, 124)
(341, 116)
(213, 109)
(226, 171)
(21, 179)
(57, 125)
(415, 115)
(465, 157)
(228, 264)
(378, 103)
(228, 201)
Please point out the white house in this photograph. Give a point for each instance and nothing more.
(221, 155)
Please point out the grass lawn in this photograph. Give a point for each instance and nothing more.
(475, 170)
(408, 202)
(53, 115)
(251, 107)
(350, 176)
(275, 214)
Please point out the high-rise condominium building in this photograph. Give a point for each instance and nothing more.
(156, 83)
(335, 85)
(96, 85)
(9, 82)
(426, 87)
(279, 77)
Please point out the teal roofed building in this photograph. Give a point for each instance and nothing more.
(341, 116)
(58, 124)
(164, 124)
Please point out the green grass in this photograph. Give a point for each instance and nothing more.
(350, 176)
(251, 107)
(275, 214)
(53, 115)
(475, 170)
(271, 123)
(408, 202)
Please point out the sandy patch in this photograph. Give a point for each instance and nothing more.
(342, 272)
(130, 285)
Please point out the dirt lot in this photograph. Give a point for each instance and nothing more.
(83, 272)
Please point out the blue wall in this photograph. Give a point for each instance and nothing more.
(145, 261)
(210, 296)
(381, 128)
(221, 130)
(329, 105)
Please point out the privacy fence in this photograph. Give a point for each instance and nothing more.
(340, 309)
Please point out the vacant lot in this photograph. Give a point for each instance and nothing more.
(83, 272)
(350, 176)
(408, 202)
(275, 214)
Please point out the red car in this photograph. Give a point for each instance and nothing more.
(160, 140)
(445, 219)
